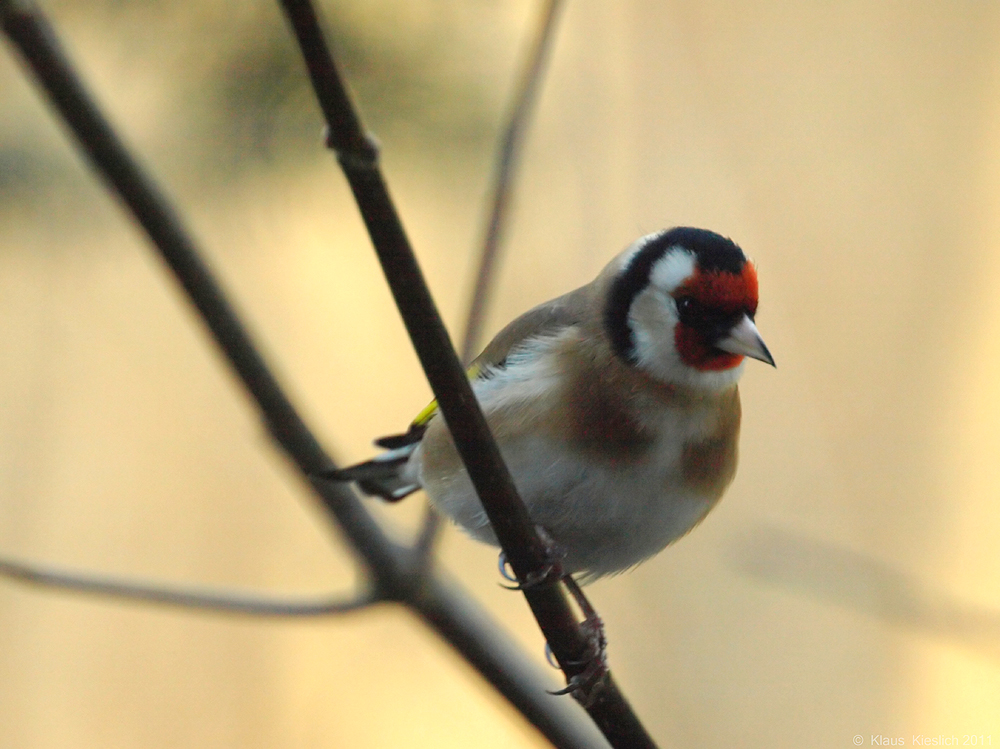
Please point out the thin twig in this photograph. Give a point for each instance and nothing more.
(451, 613)
(427, 538)
(229, 602)
(526, 552)
(508, 159)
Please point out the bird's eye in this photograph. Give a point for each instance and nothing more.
(711, 321)
(688, 307)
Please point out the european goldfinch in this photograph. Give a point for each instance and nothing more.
(615, 406)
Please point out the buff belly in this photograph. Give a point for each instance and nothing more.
(605, 518)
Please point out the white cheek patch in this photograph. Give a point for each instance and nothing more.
(652, 319)
(674, 268)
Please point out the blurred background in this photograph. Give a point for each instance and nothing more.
(849, 583)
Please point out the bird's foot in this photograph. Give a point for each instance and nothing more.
(591, 667)
(587, 683)
(552, 572)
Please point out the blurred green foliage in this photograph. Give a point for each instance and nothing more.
(233, 95)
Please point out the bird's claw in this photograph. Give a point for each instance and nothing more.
(549, 574)
(586, 685)
(552, 572)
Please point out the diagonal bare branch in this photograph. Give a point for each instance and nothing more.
(220, 601)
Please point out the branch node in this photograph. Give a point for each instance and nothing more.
(364, 155)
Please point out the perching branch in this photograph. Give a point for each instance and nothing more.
(394, 576)
(524, 549)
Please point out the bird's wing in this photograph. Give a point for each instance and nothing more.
(545, 319)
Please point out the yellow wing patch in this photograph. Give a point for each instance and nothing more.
(431, 408)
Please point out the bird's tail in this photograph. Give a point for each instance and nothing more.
(382, 476)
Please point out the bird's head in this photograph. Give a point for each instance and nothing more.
(681, 307)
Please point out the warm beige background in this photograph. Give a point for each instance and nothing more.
(847, 585)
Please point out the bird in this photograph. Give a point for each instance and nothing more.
(615, 406)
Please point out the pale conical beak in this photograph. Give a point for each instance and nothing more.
(744, 339)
